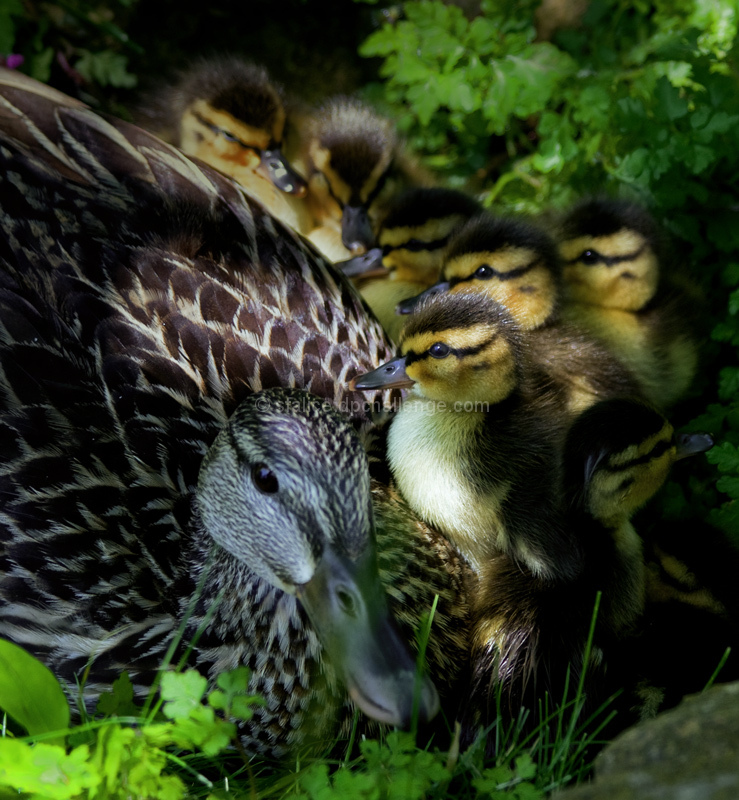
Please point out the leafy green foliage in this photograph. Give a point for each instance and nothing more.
(41, 706)
(10, 10)
(395, 769)
(123, 755)
(640, 100)
(82, 38)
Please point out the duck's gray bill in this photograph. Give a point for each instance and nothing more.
(346, 604)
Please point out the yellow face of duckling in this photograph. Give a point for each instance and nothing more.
(415, 254)
(351, 152)
(220, 139)
(472, 366)
(335, 185)
(516, 277)
(457, 351)
(618, 271)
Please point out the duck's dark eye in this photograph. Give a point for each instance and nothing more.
(484, 272)
(229, 137)
(439, 350)
(264, 479)
(590, 257)
(346, 603)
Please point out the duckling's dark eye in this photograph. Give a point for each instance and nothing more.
(229, 137)
(264, 479)
(590, 257)
(439, 350)
(484, 272)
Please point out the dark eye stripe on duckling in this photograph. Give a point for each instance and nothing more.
(416, 246)
(659, 449)
(501, 275)
(609, 261)
(460, 352)
(227, 134)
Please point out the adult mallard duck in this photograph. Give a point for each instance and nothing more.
(145, 299)
(230, 113)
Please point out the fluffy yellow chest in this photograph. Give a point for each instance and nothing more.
(431, 450)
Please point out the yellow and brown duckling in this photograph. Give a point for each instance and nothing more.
(473, 447)
(411, 243)
(515, 263)
(691, 616)
(528, 630)
(152, 312)
(354, 162)
(615, 283)
(230, 114)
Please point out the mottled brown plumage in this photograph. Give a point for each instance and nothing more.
(144, 296)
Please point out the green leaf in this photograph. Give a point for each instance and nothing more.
(525, 767)
(183, 692)
(729, 485)
(8, 10)
(29, 692)
(234, 699)
(106, 68)
(728, 386)
(119, 700)
(669, 103)
(39, 64)
(725, 456)
(46, 770)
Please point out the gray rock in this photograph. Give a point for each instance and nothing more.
(688, 753)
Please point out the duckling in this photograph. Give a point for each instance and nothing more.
(412, 240)
(515, 263)
(146, 304)
(616, 287)
(691, 597)
(474, 444)
(230, 114)
(354, 162)
(529, 631)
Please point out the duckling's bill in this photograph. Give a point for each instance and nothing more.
(366, 265)
(409, 306)
(391, 375)
(356, 229)
(346, 604)
(276, 168)
(690, 444)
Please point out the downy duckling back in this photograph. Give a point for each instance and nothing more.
(613, 266)
(515, 263)
(411, 244)
(473, 448)
(231, 115)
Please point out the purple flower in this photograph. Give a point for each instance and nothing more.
(12, 61)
